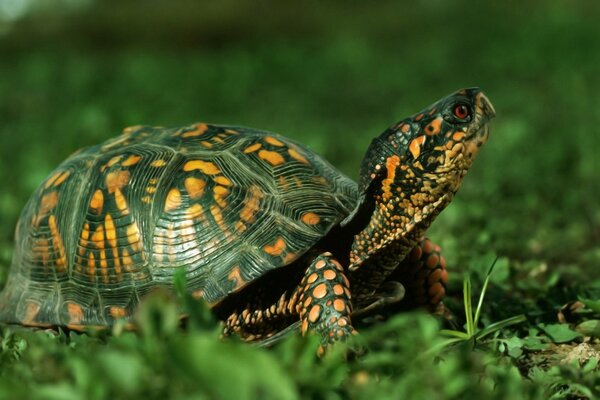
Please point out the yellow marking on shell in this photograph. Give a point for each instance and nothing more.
(111, 231)
(150, 189)
(158, 163)
(97, 202)
(206, 144)
(40, 250)
(273, 141)
(236, 276)
(310, 218)
(289, 257)
(275, 249)
(194, 187)
(134, 237)
(51, 180)
(218, 217)
(60, 180)
(91, 265)
(117, 312)
(130, 129)
(252, 148)
(131, 160)
(221, 180)
(415, 146)
(199, 129)
(419, 117)
(31, 311)
(458, 136)
(173, 200)
(207, 167)
(434, 127)
(195, 212)
(251, 204)
(391, 165)
(113, 161)
(220, 192)
(297, 156)
(103, 266)
(48, 203)
(61, 261)
(75, 313)
(198, 294)
(98, 237)
(272, 157)
(218, 140)
(121, 202)
(127, 260)
(116, 180)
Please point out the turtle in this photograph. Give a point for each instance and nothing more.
(267, 232)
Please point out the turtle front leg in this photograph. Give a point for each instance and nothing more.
(320, 304)
(324, 304)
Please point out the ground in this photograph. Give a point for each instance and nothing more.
(331, 76)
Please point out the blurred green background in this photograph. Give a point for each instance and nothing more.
(330, 74)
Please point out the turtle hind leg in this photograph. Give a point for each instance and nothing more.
(424, 275)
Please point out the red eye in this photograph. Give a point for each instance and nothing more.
(461, 111)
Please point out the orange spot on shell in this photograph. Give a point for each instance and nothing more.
(297, 156)
(432, 261)
(117, 312)
(75, 313)
(97, 202)
(117, 180)
(31, 311)
(194, 187)
(48, 202)
(173, 200)
(220, 192)
(111, 232)
(158, 163)
(311, 218)
(415, 146)
(131, 160)
(63, 177)
(273, 141)
(98, 237)
(236, 276)
(320, 264)
(207, 167)
(276, 248)
(198, 294)
(121, 202)
(221, 180)
(320, 291)
(251, 204)
(61, 261)
(272, 157)
(252, 148)
(200, 129)
(435, 288)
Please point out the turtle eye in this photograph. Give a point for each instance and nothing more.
(461, 112)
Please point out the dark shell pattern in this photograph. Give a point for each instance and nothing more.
(117, 220)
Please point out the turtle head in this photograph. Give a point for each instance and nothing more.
(412, 170)
(433, 148)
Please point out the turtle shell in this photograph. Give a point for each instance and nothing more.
(117, 220)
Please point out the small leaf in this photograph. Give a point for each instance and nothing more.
(514, 346)
(589, 328)
(560, 333)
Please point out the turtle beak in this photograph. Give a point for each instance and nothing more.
(484, 104)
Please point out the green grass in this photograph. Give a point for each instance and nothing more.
(332, 76)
